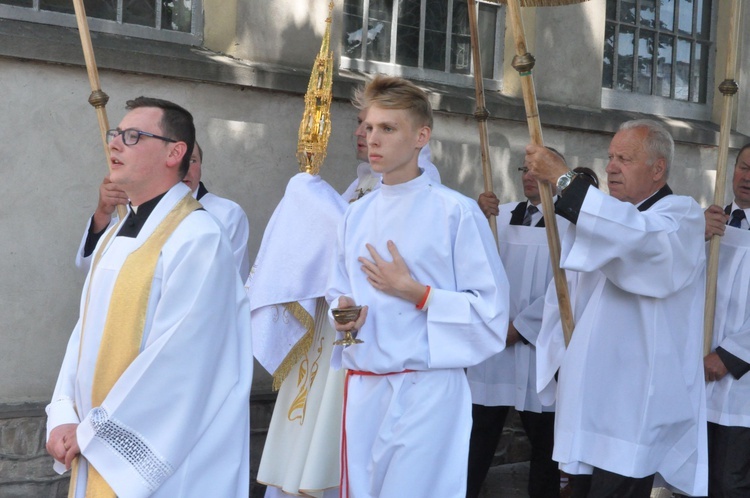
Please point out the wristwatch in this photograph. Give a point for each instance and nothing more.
(564, 181)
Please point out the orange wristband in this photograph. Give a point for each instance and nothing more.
(423, 301)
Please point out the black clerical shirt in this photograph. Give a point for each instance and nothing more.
(131, 227)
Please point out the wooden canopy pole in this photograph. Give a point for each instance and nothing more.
(728, 88)
(523, 62)
(481, 113)
(98, 98)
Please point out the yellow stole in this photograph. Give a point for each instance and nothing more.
(126, 319)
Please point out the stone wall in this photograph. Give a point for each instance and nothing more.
(26, 469)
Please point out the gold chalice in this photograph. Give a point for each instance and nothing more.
(346, 315)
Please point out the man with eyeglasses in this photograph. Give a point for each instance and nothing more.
(508, 379)
(230, 214)
(152, 396)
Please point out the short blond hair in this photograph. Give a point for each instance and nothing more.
(391, 92)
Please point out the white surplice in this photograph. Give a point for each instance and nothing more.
(176, 423)
(729, 398)
(631, 394)
(509, 377)
(232, 219)
(408, 433)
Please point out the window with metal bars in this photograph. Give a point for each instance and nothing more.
(659, 47)
(168, 20)
(421, 39)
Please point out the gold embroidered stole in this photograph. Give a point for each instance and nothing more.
(126, 319)
(299, 350)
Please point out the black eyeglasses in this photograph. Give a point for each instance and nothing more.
(131, 136)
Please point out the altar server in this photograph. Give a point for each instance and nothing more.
(727, 364)
(422, 260)
(630, 391)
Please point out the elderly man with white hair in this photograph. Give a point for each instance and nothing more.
(629, 387)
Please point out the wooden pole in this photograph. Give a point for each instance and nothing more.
(481, 113)
(523, 62)
(98, 98)
(728, 88)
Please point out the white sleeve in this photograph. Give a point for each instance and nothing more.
(652, 253)
(477, 311)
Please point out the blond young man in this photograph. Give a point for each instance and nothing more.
(421, 258)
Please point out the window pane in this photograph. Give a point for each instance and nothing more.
(379, 30)
(664, 67)
(101, 9)
(141, 12)
(436, 23)
(685, 24)
(703, 28)
(666, 14)
(682, 71)
(18, 3)
(609, 56)
(627, 11)
(648, 13)
(625, 50)
(611, 9)
(461, 39)
(407, 33)
(352, 32)
(487, 21)
(645, 62)
(177, 15)
(700, 73)
(432, 35)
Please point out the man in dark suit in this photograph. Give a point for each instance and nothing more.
(728, 388)
(508, 379)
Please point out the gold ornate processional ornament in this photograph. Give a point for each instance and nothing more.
(315, 128)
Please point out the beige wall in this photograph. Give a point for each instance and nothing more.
(284, 31)
(52, 164)
(52, 160)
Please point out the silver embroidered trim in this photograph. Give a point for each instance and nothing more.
(132, 448)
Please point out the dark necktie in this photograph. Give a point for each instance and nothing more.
(529, 213)
(737, 216)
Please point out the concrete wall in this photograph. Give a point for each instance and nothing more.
(52, 164)
(284, 31)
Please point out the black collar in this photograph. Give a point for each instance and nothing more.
(132, 225)
(659, 195)
(202, 190)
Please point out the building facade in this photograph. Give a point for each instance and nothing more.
(241, 67)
